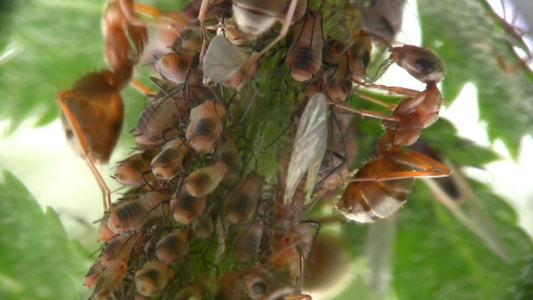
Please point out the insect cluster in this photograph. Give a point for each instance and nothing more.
(201, 219)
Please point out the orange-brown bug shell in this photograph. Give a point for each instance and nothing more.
(207, 123)
(174, 66)
(186, 208)
(304, 57)
(130, 171)
(381, 186)
(169, 162)
(205, 180)
(173, 246)
(131, 216)
(157, 118)
(242, 201)
(153, 278)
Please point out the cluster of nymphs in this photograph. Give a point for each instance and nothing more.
(199, 221)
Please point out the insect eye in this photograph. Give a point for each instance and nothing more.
(424, 65)
(259, 288)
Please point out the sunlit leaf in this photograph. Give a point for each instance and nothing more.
(436, 257)
(38, 261)
(469, 39)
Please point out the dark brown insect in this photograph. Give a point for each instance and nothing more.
(242, 202)
(304, 57)
(336, 75)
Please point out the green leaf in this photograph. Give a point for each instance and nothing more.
(55, 42)
(442, 136)
(469, 39)
(444, 260)
(38, 261)
(6, 24)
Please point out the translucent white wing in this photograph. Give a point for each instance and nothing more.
(309, 147)
(223, 60)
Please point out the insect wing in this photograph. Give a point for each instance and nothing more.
(223, 60)
(309, 147)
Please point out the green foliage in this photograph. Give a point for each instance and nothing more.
(463, 152)
(436, 255)
(38, 261)
(47, 55)
(469, 38)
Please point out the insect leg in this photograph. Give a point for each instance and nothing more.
(106, 192)
(365, 112)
